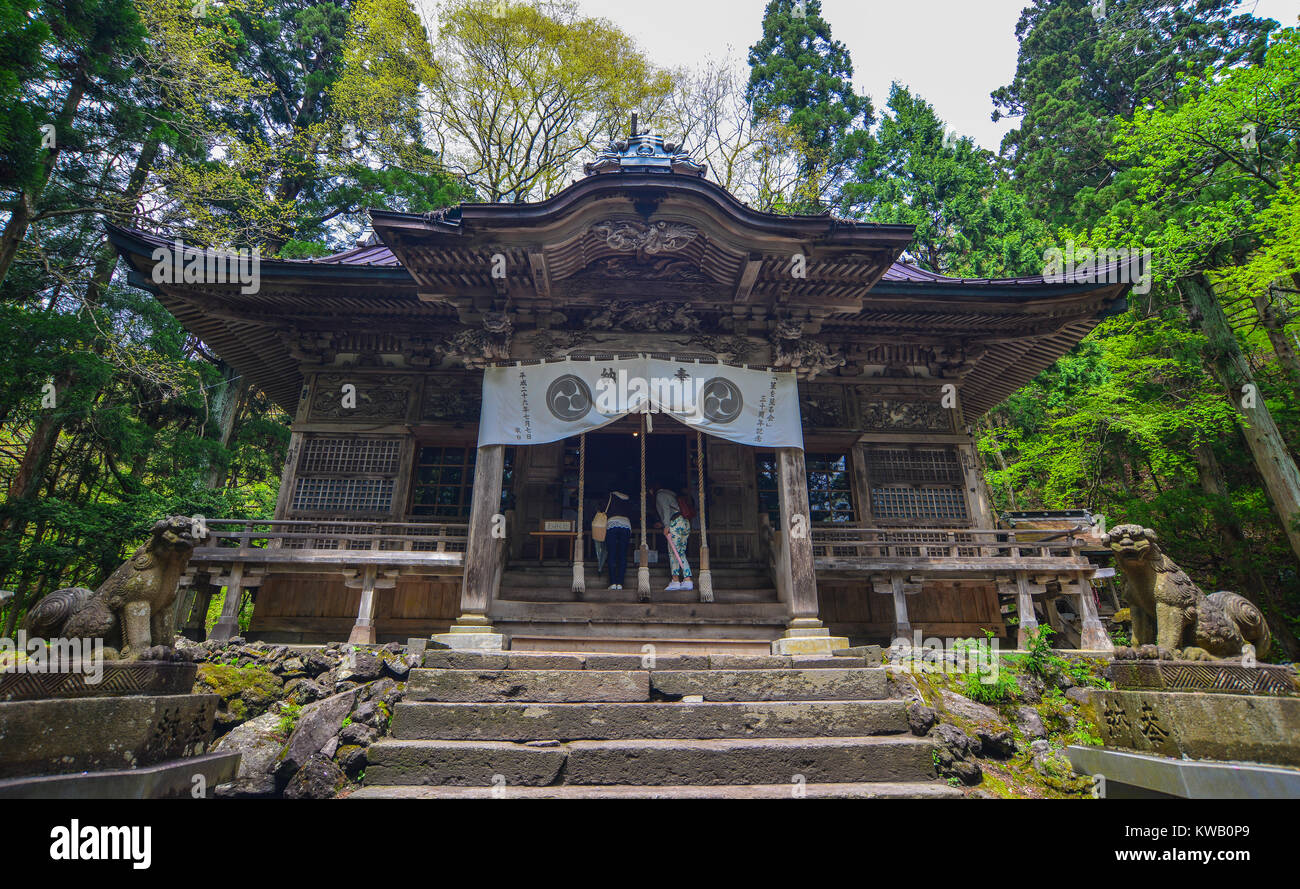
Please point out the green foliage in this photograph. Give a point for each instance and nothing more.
(803, 78)
(289, 714)
(968, 219)
(1039, 659)
(1079, 77)
(246, 692)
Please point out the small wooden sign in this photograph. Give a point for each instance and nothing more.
(558, 525)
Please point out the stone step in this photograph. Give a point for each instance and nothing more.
(583, 686)
(650, 762)
(602, 722)
(875, 790)
(634, 613)
(452, 659)
(598, 591)
(540, 686)
(823, 684)
(635, 642)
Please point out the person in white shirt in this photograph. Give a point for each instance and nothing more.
(677, 529)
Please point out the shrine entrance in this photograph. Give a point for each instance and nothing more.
(545, 532)
(539, 585)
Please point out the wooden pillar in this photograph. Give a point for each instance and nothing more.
(1094, 636)
(804, 634)
(796, 523)
(482, 573)
(1028, 622)
(902, 623)
(228, 624)
(193, 622)
(288, 475)
(363, 632)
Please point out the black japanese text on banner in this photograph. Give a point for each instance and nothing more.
(540, 403)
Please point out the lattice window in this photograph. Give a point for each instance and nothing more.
(916, 485)
(361, 456)
(941, 504)
(830, 487)
(343, 495)
(915, 466)
(444, 482)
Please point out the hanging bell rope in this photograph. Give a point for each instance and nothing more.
(643, 569)
(706, 577)
(579, 545)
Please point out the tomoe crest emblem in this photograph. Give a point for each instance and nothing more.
(721, 401)
(569, 398)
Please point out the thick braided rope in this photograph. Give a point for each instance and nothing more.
(699, 477)
(643, 569)
(582, 490)
(643, 538)
(579, 547)
(706, 576)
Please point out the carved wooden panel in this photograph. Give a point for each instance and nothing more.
(907, 416)
(457, 399)
(825, 406)
(377, 397)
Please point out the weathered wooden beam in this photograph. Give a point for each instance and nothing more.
(792, 480)
(227, 625)
(748, 275)
(363, 632)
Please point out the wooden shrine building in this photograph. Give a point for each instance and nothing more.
(394, 520)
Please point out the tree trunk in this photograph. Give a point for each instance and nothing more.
(1274, 322)
(1235, 548)
(1273, 459)
(24, 205)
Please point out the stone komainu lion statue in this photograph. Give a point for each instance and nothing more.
(1173, 613)
(132, 610)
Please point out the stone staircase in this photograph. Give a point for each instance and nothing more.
(557, 725)
(744, 617)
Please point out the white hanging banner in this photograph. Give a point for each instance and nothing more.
(539, 403)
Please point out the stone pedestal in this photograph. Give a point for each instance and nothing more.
(1169, 725)
(807, 635)
(132, 731)
(472, 632)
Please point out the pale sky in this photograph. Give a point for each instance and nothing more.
(952, 52)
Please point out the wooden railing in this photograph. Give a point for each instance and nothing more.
(841, 547)
(247, 538)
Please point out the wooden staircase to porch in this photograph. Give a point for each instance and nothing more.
(538, 610)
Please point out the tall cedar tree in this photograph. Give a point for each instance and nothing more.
(1080, 70)
(800, 75)
(969, 221)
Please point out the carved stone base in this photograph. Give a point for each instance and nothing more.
(471, 632)
(1248, 728)
(1095, 637)
(807, 636)
(53, 737)
(363, 633)
(118, 679)
(1211, 676)
(224, 630)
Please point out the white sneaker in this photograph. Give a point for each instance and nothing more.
(618, 586)
(687, 585)
(613, 586)
(672, 586)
